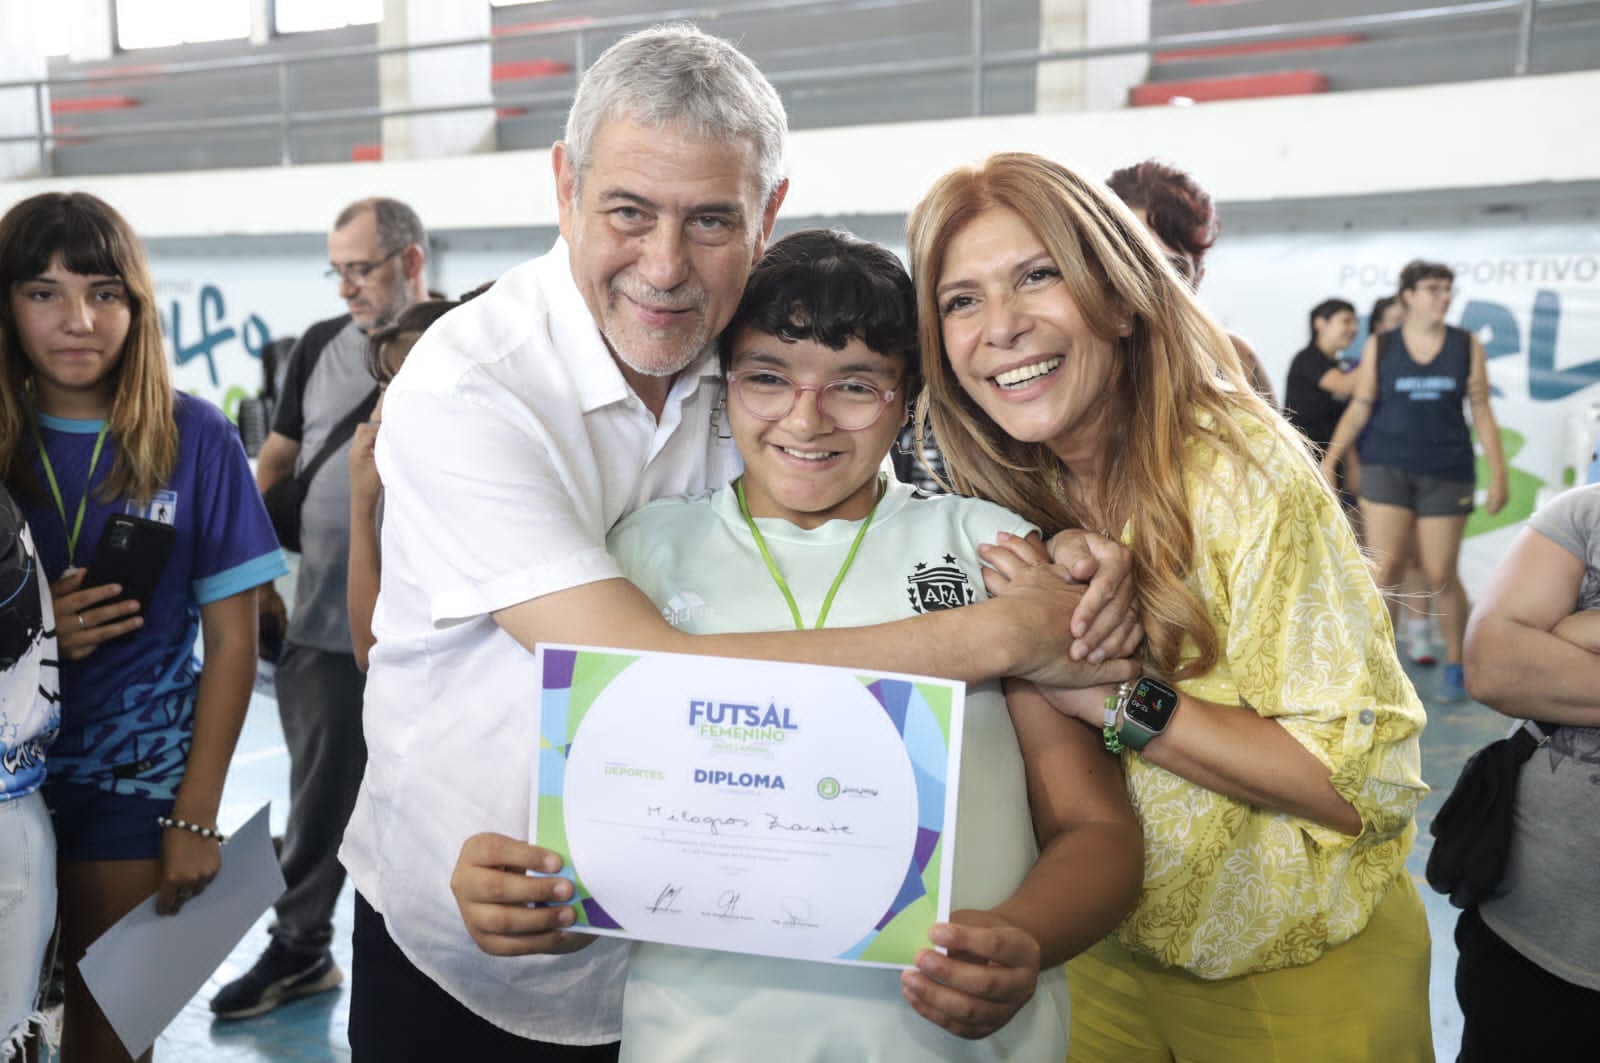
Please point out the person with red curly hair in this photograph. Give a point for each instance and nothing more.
(1182, 218)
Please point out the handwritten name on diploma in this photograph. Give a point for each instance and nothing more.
(715, 824)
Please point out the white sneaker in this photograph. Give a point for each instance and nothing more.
(1419, 642)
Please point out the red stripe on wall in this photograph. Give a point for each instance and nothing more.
(528, 69)
(1250, 86)
(1299, 44)
(90, 104)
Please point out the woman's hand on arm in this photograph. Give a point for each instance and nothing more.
(228, 632)
(1515, 662)
(1103, 623)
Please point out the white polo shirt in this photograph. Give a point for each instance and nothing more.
(511, 444)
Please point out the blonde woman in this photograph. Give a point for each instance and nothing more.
(1271, 748)
(93, 437)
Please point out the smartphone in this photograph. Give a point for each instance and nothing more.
(132, 551)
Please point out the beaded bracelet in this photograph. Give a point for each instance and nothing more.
(169, 823)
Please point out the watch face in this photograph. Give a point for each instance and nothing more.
(1151, 704)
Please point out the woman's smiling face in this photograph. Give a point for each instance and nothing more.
(1016, 339)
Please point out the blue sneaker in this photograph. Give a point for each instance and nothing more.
(1452, 685)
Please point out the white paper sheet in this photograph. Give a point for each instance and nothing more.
(148, 966)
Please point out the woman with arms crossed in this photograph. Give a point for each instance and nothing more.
(1528, 970)
(1271, 747)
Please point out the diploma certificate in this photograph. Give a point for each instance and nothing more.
(751, 806)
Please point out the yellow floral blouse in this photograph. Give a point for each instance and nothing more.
(1230, 888)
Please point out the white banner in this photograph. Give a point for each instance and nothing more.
(1530, 293)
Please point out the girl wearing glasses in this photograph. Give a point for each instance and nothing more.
(821, 366)
(90, 430)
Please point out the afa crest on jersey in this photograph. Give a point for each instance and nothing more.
(939, 586)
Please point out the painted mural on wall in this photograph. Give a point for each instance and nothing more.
(219, 313)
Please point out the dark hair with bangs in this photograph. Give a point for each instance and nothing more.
(81, 228)
(92, 239)
(830, 287)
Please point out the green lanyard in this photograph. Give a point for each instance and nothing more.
(55, 488)
(777, 577)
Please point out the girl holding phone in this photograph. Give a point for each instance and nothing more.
(90, 429)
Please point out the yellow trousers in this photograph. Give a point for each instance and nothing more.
(1365, 1001)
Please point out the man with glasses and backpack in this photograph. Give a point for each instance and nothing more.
(376, 250)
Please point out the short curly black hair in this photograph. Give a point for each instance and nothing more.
(830, 287)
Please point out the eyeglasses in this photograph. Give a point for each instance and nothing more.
(1436, 287)
(358, 273)
(850, 404)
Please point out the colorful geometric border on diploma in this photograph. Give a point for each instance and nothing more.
(571, 682)
(920, 712)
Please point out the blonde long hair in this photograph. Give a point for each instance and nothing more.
(1176, 380)
(91, 238)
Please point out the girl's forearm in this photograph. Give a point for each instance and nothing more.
(226, 680)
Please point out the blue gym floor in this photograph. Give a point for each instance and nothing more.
(314, 1029)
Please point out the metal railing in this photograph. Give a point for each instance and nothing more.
(976, 64)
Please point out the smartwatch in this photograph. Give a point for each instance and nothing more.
(1145, 711)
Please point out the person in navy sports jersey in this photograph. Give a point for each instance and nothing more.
(1418, 464)
(90, 429)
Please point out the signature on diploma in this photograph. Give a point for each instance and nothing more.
(775, 822)
(696, 819)
(665, 899)
(728, 904)
(796, 912)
